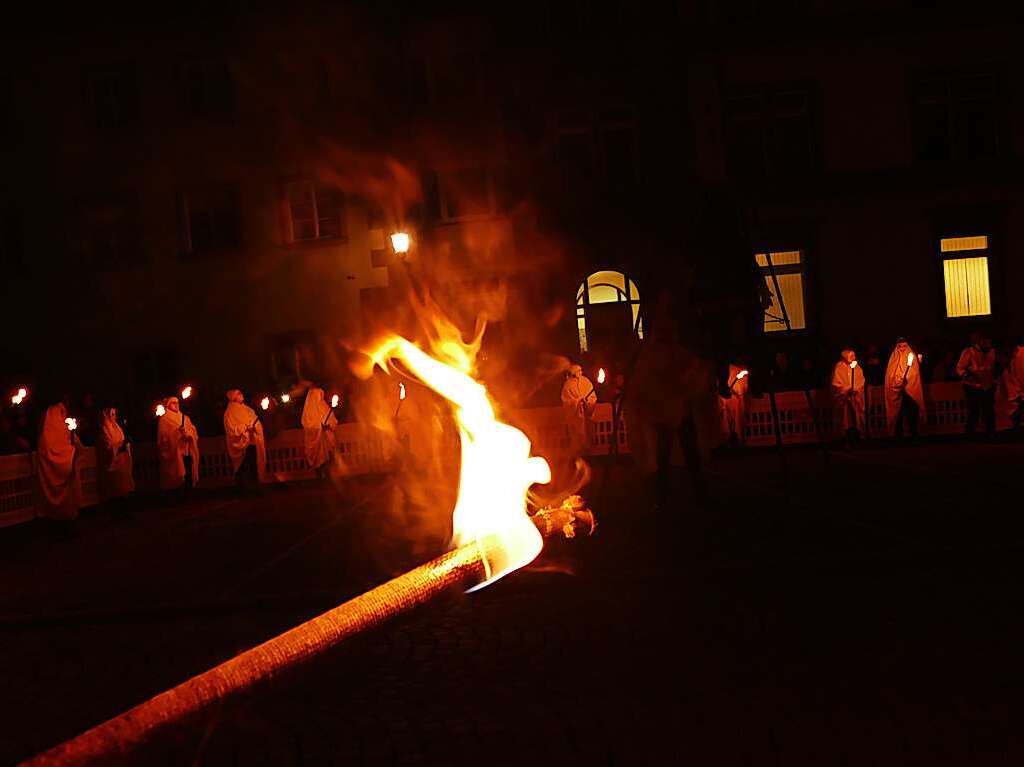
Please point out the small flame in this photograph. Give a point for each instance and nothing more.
(265, 403)
(853, 364)
(160, 410)
(18, 398)
(910, 359)
(186, 392)
(742, 374)
(401, 390)
(600, 375)
(496, 470)
(72, 423)
(286, 398)
(335, 400)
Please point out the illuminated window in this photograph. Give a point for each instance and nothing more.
(966, 276)
(607, 287)
(314, 212)
(789, 271)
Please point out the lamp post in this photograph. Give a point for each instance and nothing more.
(400, 243)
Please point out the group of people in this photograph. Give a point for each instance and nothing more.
(904, 389)
(58, 447)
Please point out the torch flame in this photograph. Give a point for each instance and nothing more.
(600, 375)
(286, 398)
(910, 359)
(401, 390)
(265, 403)
(186, 392)
(335, 400)
(18, 398)
(497, 468)
(160, 410)
(742, 374)
(853, 364)
(72, 423)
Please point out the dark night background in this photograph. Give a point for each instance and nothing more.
(206, 194)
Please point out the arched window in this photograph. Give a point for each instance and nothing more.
(604, 288)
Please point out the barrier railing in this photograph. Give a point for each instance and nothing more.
(364, 450)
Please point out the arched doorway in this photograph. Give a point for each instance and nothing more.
(607, 287)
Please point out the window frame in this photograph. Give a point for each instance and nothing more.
(583, 303)
(950, 80)
(782, 269)
(289, 217)
(186, 196)
(955, 255)
(768, 117)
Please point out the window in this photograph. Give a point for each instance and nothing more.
(789, 271)
(206, 88)
(104, 236)
(607, 287)
(113, 102)
(956, 118)
(965, 273)
(315, 212)
(212, 220)
(596, 159)
(768, 131)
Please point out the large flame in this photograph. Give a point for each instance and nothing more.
(497, 468)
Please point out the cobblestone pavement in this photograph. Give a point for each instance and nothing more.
(860, 610)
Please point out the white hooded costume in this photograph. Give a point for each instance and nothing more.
(902, 377)
(176, 438)
(242, 428)
(318, 424)
(1011, 385)
(734, 408)
(55, 461)
(113, 459)
(848, 394)
(579, 399)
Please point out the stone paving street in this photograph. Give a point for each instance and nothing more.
(866, 611)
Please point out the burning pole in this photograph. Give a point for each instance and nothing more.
(466, 567)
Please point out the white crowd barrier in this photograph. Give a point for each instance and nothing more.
(363, 450)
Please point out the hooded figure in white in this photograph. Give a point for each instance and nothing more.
(1011, 388)
(113, 459)
(176, 438)
(579, 399)
(318, 424)
(734, 407)
(55, 461)
(848, 392)
(242, 429)
(903, 383)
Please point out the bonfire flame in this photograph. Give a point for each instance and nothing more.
(497, 468)
(401, 391)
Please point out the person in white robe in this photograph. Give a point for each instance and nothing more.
(1011, 389)
(113, 459)
(318, 425)
(178, 447)
(56, 452)
(732, 400)
(976, 369)
(848, 395)
(904, 390)
(243, 433)
(579, 398)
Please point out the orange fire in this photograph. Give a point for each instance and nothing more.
(18, 398)
(335, 400)
(401, 390)
(497, 469)
(72, 423)
(160, 410)
(910, 359)
(600, 375)
(186, 392)
(265, 403)
(853, 364)
(285, 398)
(742, 374)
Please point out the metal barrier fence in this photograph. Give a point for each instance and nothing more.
(363, 450)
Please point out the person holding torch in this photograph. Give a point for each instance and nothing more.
(243, 433)
(732, 399)
(904, 392)
(114, 458)
(318, 425)
(848, 395)
(178, 445)
(56, 452)
(579, 399)
(977, 370)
